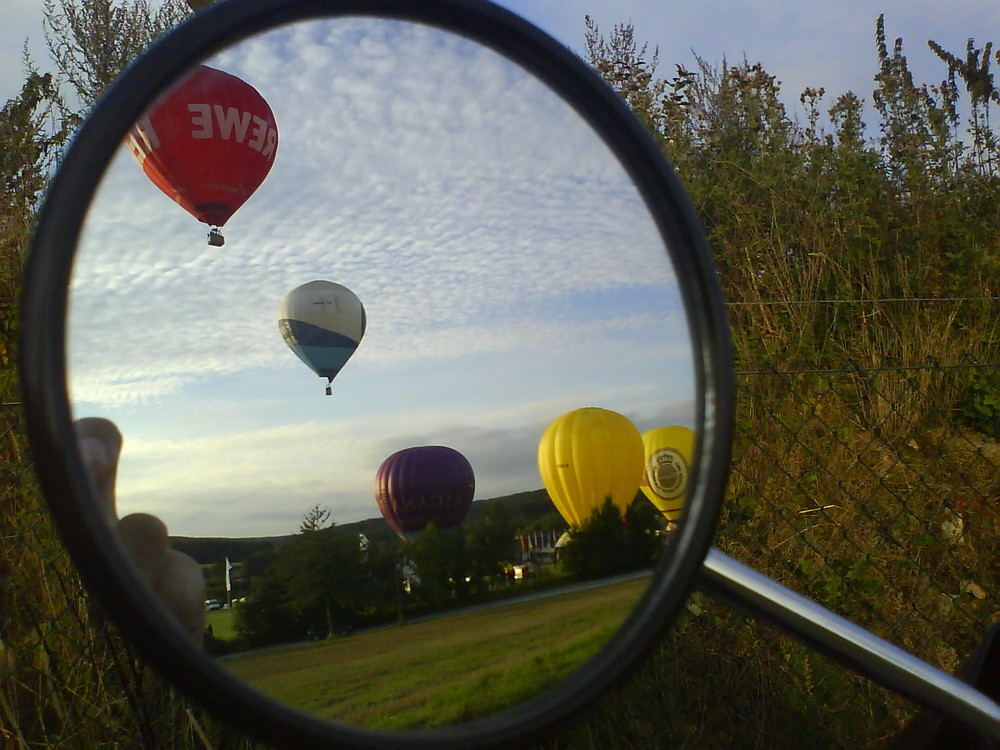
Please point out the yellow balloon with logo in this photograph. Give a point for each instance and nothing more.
(586, 456)
(668, 452)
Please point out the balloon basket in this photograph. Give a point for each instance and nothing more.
(215, 238)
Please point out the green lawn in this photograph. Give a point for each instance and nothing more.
(221, 621)
(446, 670)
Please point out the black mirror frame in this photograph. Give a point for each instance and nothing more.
(67, 485)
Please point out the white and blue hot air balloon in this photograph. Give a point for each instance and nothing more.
(322, 322)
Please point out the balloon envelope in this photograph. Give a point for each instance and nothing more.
(668, 452)
(586, 456)
(323, 323)
(422, 485)
(208, 143)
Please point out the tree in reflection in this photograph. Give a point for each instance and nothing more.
(490, 541)
(325, 572)
(463, 562)
(327, 580)
(268, 616)
(609, 544)
(441, 558)
(314, 586)
(315, 519)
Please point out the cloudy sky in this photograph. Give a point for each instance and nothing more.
(507, 267)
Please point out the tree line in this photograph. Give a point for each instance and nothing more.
(328, 580)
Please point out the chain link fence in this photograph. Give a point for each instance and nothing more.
(874, 490)
(868, 490)
(871, 489)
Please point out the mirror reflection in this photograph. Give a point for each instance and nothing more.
(405, 409)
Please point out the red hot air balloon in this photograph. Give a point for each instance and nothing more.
(417, 486)
(208, 144)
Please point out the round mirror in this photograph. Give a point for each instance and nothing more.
(387, 311)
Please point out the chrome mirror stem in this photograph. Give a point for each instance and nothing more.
(805, 620)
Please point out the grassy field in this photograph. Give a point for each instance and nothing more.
(446, 670)
(221, 622)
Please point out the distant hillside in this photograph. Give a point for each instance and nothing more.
(208, 550)
(523, 507)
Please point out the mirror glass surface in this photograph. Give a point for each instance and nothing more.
(509, 272)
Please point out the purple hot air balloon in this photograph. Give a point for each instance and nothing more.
(429, 483)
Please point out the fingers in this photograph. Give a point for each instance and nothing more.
(100, 444)
(175, 579)
(144, 538)
(181, 588)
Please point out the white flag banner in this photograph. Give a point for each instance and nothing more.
(229, 583)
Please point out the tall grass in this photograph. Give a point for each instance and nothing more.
(722, 680)
(66, 679)
(862, 270)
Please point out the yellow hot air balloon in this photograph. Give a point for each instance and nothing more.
(668, 452)
(586, 456)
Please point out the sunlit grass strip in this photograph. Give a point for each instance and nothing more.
(446, 670)
(221, 621)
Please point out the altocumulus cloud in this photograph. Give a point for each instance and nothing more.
(505, 261)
